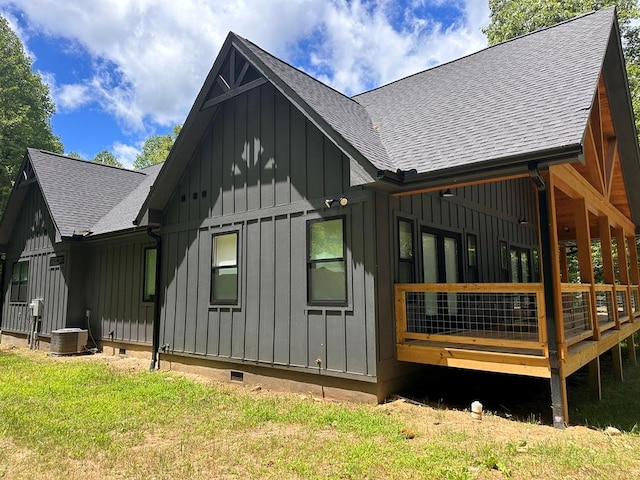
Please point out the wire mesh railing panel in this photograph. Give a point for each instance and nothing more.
(474, 314)
(623, 308)
(604, 307)
(576, 313)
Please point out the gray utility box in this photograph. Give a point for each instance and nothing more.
(36, 306)
(68, 340)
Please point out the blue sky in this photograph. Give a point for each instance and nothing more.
(121, 70)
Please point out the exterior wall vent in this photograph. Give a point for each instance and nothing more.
(237, 376)
(67, 341)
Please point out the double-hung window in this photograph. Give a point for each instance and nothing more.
(326, 262)
(149, 284)
(224, 269)
(19, 280)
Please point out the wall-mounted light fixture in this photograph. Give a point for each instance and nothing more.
(343, 201)
(447, 193)
(522, 220)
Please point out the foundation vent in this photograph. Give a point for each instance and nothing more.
(237, 376)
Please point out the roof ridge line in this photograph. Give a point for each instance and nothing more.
(568, 20)
(351, 99)
(66, 157)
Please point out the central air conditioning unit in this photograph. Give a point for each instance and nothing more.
(66, 341)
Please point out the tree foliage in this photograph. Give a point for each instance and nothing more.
(156, 149)
(25, 110)
(106, 158)
(511, 18)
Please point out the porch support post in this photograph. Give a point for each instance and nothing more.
(595, 384)
(585, 260)
(631, 349)
(617, 362)
(546, 214)
(633, 259)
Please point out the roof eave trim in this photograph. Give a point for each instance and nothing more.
(406, 180)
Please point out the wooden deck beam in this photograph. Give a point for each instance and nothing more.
(568, 180)
(518, 364)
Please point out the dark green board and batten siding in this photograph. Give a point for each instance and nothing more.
(114, 290)
(265, 169)
(491, 211)
(32, 240)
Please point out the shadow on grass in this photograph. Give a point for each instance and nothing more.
(529, 399)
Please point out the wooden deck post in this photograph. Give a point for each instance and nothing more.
(585, 260)
(617, 363)
(552, 296)
(633, 259)
(595, 383)
(631, 349)
(623, 269)
(607, 251)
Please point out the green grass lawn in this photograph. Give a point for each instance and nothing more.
(86, 418)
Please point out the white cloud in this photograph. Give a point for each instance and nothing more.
(363, 48)
(151, 56)
(71, 96)
(66, 97)
(126, 154)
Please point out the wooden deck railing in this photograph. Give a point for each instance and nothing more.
(508, 315)
(576, 312)
(478, 315)
(610, 306)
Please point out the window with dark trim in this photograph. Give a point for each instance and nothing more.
(472, 258)
(19, 281)
(326, 262)
(406, 256)
(149, 282)
(224, 269)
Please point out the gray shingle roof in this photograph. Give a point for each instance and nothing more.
(78, 192)
(122, 215)
(526, 95)
(348, 118)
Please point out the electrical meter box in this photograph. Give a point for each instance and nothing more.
(36, 306)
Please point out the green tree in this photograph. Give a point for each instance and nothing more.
(106, 158)
(156, 149)
(511, 18)
(74, 155)
(25, 110)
